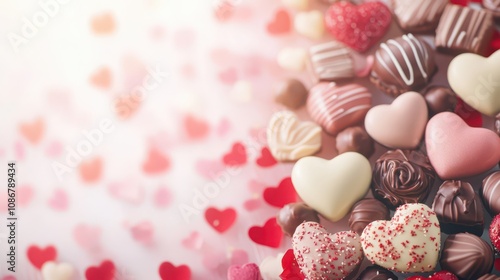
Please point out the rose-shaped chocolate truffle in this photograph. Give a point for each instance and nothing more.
(366, 211)
(294, 214)
(402, 176)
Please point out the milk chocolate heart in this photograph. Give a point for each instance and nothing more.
(323, 255)
(290, 139)
(331, 187)
(400, 125)
(457, 150)
(409, 242)
(476, 80)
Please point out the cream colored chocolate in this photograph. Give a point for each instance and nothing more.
(331, 187)
(399, 125)
(476, 80)
(310, 24)
(292, 58)
(409, 242)
(290, 139)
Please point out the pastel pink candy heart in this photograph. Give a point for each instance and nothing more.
(457, 150)
(249, 271)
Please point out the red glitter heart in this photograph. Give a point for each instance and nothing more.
(291, 269)
(38, 256)
(266, 159)
(170, 272)
(282, 195)
(472, 117)
(269, 235)
(220, 220)
(359, 27)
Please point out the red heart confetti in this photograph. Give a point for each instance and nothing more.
(440, 275)
(468, 114)
(38, 256)
(91, 170)
(280, 24)
(291, 269)
(195, 128)
(237, 156)
(221, 221)
(359, 27)
(266, 159)
(105, 271)
(155, 163)
(281, 195)
(464, 3)
(223, 9)
(269, 235)
(168, 271)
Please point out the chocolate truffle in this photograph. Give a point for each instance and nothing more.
(440, 99)
(291, 93)
(462, 29)
(403, 64)
(294, 214)
(418, 15)
(377, 273)
(331, 61)
(355, 139)
(489, 277)
(402, 176)
(458, 208)
(366, 211)
(492, 6)
(495, 232)
(467, 256)
(490, 193)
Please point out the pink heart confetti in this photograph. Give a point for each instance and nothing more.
(54, 149)
(59, 200)
(87, 236)
(209, 169)
(143, 232)
(24, 195)
(239, 257)
(127, 192)
(252, 204)
(163, 197)
(194, 241)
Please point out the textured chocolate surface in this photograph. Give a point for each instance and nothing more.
(494, 232)
(403, 64)
(402, 176)
(331, 61)
(376, 273)
(418, 15)
(355, 139)
(458, 208)
(366, 211)
(462, 29)
(440, 99)
(291, 93)
(467, 256)
(490, 193)
(294, 214)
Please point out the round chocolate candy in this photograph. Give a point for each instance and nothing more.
(402, 176)
(291, 93)
(294, 214)
(458, 208)
(490, 193)
(376, 273)
(366, 211)
(355, 139)
(440, 99)
(467, 256)
(495, 232)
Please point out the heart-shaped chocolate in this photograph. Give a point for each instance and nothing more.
(331, 187)
(55, 271)
(359, 27)
(409, 242)
(457, 150)
(400, 125)
(323, 255)
(476, 80)
(290, 139)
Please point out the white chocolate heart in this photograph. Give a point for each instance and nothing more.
(310, 24)
(293, 59)
(290, 139)
(332, 187)
(54, 271)
(409, 242)
(323, 255)
(296, 4)
(270, 268)
(476, 80)
(399, 125)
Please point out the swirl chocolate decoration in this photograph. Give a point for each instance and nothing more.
(458, 208)
(490, 193)
(294, 214)
(489, 277)
(419, 15)
(467, 256)
(403, 64)
(366, 211)
(355, 139)
(402, 176)
(376, 273)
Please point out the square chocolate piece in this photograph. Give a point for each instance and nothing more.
(331, 61)
(462, 29)
(419, 16)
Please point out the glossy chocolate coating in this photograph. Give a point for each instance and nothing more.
(489, 277)
(366, 211)
(376, 273)
(418, 16)
(458, 208)
(294, 214)
(490, 193)
(440, 99)
(467, 256)
(355, 139)
(492, 6)
(402, 176)
(291, 93)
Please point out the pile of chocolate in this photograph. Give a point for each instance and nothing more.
(426, 141)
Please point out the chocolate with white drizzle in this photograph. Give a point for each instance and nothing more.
(419, 16)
